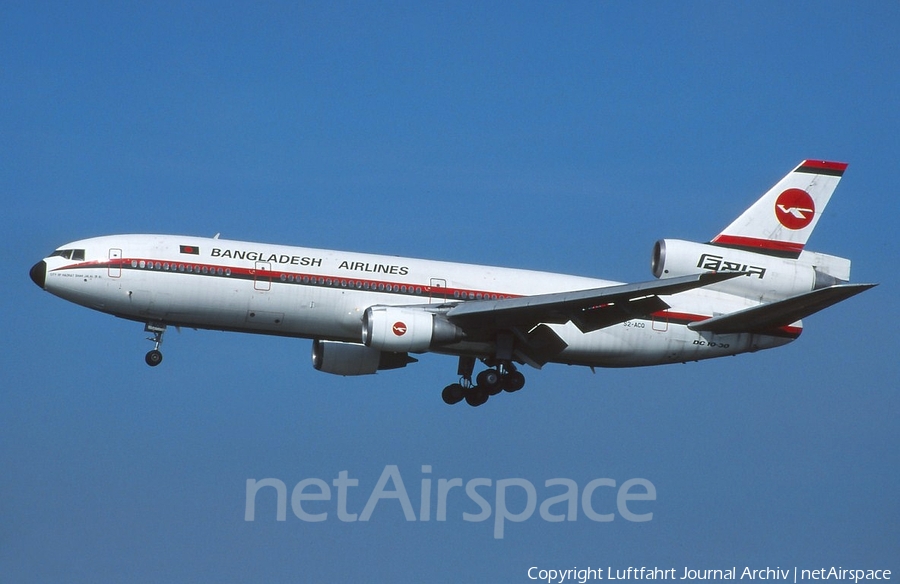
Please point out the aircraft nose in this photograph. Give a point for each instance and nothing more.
(38, 273)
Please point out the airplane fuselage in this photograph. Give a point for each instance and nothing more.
(322, 294)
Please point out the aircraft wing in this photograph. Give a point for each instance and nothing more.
(589, 310)
(781, 313)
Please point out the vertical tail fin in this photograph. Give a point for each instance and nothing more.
(781, 221)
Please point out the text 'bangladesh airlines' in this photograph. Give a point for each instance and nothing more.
(745, 290)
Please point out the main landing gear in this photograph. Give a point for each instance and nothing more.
(502, 377)
(154, 357)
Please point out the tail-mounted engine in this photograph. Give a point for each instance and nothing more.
(768, 277)
(406, 329)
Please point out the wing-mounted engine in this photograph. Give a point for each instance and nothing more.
(395, 329)
(354, 359)
(767, 277)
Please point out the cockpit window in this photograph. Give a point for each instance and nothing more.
(70, 254)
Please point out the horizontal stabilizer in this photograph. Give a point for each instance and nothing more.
(778, 314)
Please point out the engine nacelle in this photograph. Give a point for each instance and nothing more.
(354, 359)
(389, 328)
(768, 277)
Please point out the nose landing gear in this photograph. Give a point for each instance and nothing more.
(154, 357)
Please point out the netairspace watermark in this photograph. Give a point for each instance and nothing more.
(583, 575)
(599, 499)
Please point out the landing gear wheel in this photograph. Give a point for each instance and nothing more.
(476, 396)
(489, 381)
(514, 381)
(154, 357)
(501, 375)
(453, 394)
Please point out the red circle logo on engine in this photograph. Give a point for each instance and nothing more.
(795, 209)
(399, 329)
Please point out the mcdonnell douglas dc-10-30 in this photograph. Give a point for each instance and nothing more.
(743, 291)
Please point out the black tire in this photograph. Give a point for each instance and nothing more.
(153, 358)
(514, 382)
(489, 380)
(476, 397)
(453, 394)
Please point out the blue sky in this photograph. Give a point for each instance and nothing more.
(556, 136)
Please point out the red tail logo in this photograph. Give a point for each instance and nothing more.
(795, 209)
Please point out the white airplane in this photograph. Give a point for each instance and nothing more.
(745, 290)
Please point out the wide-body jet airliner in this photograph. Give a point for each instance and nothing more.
(743, 291)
